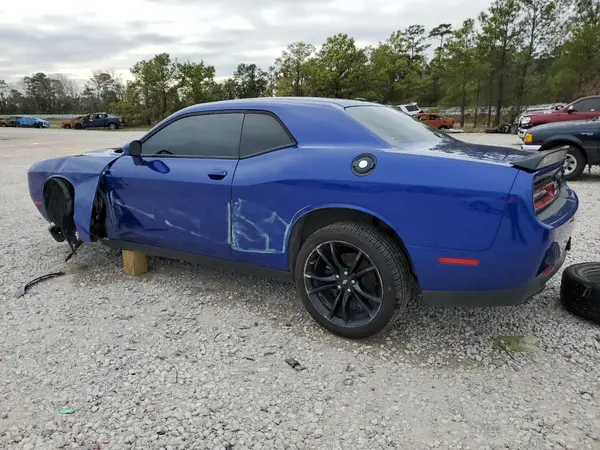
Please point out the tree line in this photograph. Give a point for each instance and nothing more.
(515, 53)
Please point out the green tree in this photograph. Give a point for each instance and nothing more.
(501, 31)
(538, 24)
(440, 32)
(460, 63)
(338, 67)
(156, 80)
(293, 69)
(577, 62)
(196, 83)
(101, 90)
(435, 68)
(391, 72)
(250, 81)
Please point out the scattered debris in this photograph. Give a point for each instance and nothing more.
(74, 248)
(295, 364)
(517, 343)
(67, 410)
(20, 291)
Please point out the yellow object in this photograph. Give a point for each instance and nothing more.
(528, 138)
(134, 263)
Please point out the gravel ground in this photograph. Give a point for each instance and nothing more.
(188, 357)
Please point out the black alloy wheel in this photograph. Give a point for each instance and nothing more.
(343, 284)
(353, 279)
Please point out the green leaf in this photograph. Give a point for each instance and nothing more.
(67, 410)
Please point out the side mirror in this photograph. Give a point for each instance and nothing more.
(571, 109)
(135, 148)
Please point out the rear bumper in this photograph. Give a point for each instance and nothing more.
(505, 297)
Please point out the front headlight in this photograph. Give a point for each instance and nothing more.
(525, 120)
(528, 138)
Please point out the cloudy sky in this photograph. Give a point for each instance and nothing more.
(75, 37)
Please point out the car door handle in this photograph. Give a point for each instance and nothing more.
(217, 174)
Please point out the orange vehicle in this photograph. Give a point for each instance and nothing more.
(435, 120)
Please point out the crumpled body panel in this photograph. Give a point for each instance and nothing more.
(83, 172)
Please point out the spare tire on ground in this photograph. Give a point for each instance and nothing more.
(580, 290)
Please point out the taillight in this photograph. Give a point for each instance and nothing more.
(545, 193)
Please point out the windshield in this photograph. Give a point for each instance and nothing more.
(394, 127)
(411, 107)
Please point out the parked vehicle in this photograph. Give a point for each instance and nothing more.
(25, 122)
(581, 137)
(3, 122)
(412, 109)
(581, 109)
(93, 120)
(71, 123)
(436, 120)
(361, 206)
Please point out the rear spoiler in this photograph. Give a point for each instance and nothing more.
(540, 160)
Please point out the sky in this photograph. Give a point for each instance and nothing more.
(77, 37)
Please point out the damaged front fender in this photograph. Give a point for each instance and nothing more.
(84, 173)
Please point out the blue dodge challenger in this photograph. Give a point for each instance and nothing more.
(361, 206)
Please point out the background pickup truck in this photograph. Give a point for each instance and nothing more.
(582, 109)
(94, 120)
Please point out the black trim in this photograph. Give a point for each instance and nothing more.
(199, 259)
(537, 161)
(294, 142)
(507, 297)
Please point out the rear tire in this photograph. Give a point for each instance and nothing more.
(580, 290)
(574, 163)
(353, 299)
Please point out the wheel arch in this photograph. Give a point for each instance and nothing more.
(68, 216)
(308, 221)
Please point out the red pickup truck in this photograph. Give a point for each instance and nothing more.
(581, 109)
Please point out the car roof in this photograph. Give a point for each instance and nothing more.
(266, 102)
(311, 120)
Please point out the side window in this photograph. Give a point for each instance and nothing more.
(587, 105)
(205, 135)
(261, 133)
(595, 104)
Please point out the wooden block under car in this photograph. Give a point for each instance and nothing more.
(135, 263)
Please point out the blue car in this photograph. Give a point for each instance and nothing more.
(29, 122)
(361, 206)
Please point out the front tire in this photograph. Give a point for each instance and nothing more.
(353, 280)
(112, 126)
(574, 163)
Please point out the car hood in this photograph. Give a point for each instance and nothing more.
(116, 152)
(453, 148)
(566, 126)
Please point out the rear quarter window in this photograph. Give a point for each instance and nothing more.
(393, 126)
(262, 133)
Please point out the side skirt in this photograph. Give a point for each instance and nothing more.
(199, 259)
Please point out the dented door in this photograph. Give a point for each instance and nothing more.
(180, 204)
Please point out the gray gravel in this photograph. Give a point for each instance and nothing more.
(188, 357)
